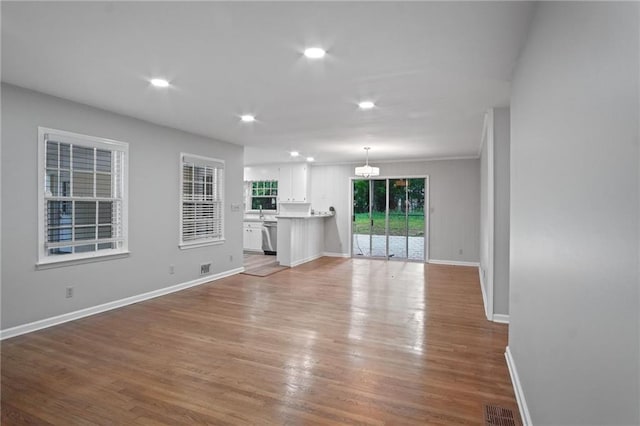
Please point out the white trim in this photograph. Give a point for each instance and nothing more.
(501, 318)
(484, 132)
(305, 260)
(391, 177)
(350, 218)
(198, 244)
(484, 293)
(453, 262)
(86, 141)
(208, 162)
(427, 217)
(402, 160)
(517, 388)
(491, 182)
(71, 316)
(427, 210)
(201, 160)
(70, 262)
(331, 254)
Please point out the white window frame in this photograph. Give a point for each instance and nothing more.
(199, 160)
(77, 139)
(249, 198)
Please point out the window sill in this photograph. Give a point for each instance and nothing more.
(59, 263)
(187, 246)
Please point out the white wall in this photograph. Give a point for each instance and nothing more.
(502, 136)
(486, 216)
(29, 294)
(574, 331)
(330, 188)
(454, 202)
(501, 154)
(494, 212)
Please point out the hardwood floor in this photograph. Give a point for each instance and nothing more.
(334, 341)
(256, 260)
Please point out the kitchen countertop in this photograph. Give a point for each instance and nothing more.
(256, 218)
(317, 215)
(272, 218)
(252, 219)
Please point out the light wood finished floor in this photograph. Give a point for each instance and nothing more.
(255, 260)
(334, 341)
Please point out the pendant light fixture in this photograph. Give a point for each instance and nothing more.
(366, 170)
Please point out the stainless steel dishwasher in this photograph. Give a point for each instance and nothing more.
(270, 237)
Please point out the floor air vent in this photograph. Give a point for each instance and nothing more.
(498, 416)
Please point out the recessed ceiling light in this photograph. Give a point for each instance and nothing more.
(310, 159)
(294, 153)
(366, 105)
(247, 118)
(314, 52)
(159, 82)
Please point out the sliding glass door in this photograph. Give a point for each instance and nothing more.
(388, 218)
(361, 223)
(416, 219)
(398, 225)
(378, 218)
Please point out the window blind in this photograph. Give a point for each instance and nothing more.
(202, 200)
(83, 196)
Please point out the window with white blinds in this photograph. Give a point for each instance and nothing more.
(83, 206)
(202, 201)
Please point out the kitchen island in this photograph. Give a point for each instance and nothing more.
(300, 238)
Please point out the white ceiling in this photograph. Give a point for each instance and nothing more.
(432, 68)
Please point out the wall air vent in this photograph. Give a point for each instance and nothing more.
(205, 268)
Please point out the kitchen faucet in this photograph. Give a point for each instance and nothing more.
(261, 214)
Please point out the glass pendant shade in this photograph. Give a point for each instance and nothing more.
(367, 170)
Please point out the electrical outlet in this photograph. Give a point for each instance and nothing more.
(205, 268)
(230, 258)
(69, 292)
(172, 269)
(460, 251)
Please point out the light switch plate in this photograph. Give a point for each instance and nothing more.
(235, 207)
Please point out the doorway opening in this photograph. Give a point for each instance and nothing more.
(389, 219)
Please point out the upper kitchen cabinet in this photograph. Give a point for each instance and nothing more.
(257, 173)
(293, 183)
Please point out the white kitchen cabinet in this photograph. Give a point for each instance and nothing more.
(293, 183)
(300, 239)
(268, 172)
(252, 236)
(284, 184)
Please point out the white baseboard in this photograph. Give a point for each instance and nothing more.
(484, 295)
(517, 388)
(501, 318)
(331, 254)
(452, 262)
(59, 319)
(305, 260)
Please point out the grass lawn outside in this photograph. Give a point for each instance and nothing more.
(397, 224)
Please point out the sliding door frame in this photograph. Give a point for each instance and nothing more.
(427, 212)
